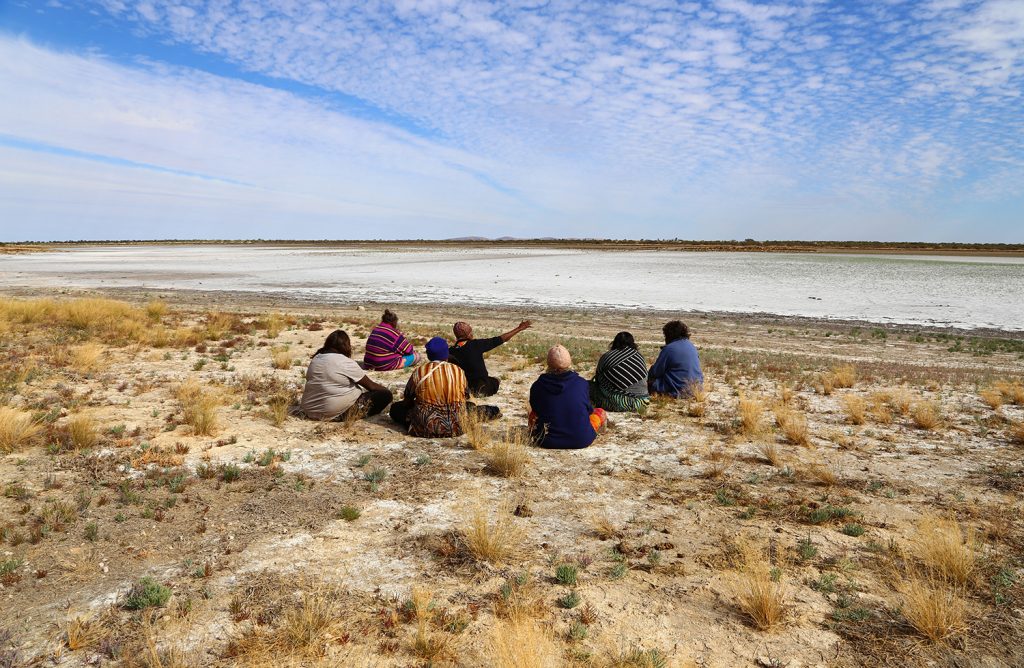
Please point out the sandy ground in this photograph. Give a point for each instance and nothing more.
(660, 516)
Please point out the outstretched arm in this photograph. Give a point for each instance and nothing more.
(524, 325)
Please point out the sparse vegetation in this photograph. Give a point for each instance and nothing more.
(277, 407)
(855, 407)
(750, 412)
(937, 611)
(494, 540)
(824, 473)
(844, 377)
(349, 513)
(945, 549)
(508, 455)
(761, 596)
(147, 593)
(198, 407)
(793, 425)
(606, 525)
(86, 357)
(521, 642)
(772, 453)
(17, 429)
(281, 358)
(80, 432)
(926, 415)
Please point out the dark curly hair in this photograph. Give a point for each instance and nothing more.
(390, 317)
(623, 340)
(675, 330)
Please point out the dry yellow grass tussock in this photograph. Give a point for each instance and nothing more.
(992, 398)
(720, 460)
(303, 632)
(156, 309)
(926, 415)
(280, 358)
(277, 408)
(844, 376)
(824, 473)
(82, 633)
(936, 610)
(86, 357)
(475, 431)
(509, 455)
(697, 400)
(521, 642)
(105, 318)
(856, 409)
(604, 527)
(17, 429)
(1012, 392)
(945, 549)
(494, 540)
(273, 324)
(901, 400)
(1017, 433)
(793, 424)
(198, 406)
(80, 432)
(772, 453)
(761, 594)
(750, 413)
(880, 407)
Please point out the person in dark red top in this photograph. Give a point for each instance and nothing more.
(468, 354)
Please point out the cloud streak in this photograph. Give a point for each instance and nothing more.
(668, 118)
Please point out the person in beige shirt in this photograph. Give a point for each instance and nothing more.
(335, 383)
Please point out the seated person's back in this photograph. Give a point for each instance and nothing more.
(387, 348)
(332, 386)
(678, 365)
(560, 403)
(335, 383)
(468, 353)
(435, 396)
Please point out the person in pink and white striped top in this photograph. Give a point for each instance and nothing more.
(387, 348)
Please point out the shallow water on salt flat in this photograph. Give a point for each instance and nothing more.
(932, 290)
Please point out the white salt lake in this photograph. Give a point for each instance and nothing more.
(963, 292)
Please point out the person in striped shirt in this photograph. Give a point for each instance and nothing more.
(387, 348)
(620, 381)
(434, 403)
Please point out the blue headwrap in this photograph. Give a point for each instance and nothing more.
(437, 349)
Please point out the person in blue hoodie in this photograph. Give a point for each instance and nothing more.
(677, 368)
(561, 415)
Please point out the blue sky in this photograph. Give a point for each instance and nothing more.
(716, 119)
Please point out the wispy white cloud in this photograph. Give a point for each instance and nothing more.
(570, 113)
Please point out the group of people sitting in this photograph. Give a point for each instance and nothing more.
(566, 411)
